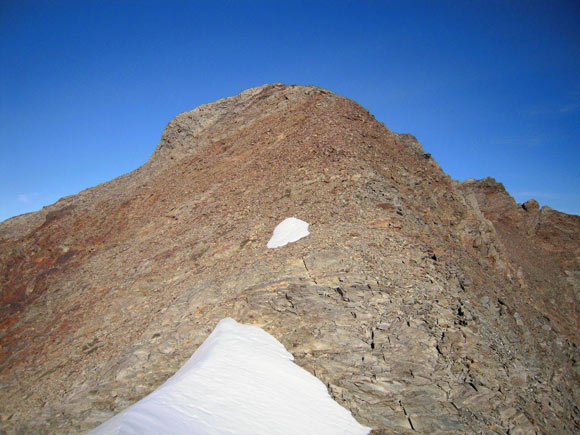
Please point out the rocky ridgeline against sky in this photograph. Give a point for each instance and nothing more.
(424, 305)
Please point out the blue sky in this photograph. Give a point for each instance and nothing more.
(490, 88)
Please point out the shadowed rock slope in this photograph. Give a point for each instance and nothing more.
(423, 304)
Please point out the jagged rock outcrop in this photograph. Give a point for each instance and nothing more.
(543, 247)
(423, 304)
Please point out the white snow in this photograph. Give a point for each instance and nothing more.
(288, 231)
(241, 380)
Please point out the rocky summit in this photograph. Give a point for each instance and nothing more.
(423, 304)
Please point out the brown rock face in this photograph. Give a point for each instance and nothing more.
(423, 304)
(543, 247)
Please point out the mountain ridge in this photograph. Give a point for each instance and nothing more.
(408, 299)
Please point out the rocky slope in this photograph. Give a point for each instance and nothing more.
(423, 304)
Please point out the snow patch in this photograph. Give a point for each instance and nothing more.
(288, 231)
(241, 380)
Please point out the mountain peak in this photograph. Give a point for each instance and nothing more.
(421, 303)
(248, 106)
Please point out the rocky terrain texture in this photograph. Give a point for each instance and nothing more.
(424, 305)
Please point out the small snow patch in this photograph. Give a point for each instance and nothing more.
(288, 231)
(241, 380)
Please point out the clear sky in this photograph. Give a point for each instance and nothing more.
(490, 88)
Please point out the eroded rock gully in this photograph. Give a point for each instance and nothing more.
(425, 305)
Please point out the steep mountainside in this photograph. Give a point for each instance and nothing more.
(423, 304)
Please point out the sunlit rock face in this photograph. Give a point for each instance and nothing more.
(422, 304)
